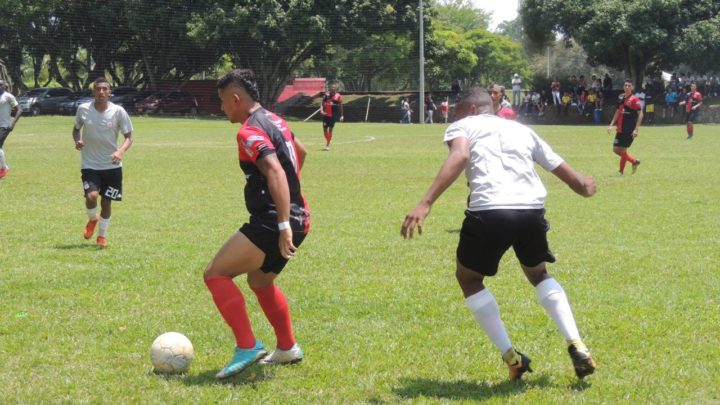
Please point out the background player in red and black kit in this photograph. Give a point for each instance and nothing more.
(628, 115)
(271, 158)
(692, 103)
(331, 110)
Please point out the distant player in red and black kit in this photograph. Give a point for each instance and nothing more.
(497, 92)
(332, 110)
(628, 116)
(271, 158)
(692, 103)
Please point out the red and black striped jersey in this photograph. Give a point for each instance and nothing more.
(693, 98)
(263, 134)
(330, 103)
(629, 108)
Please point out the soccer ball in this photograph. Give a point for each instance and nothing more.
(171, 352)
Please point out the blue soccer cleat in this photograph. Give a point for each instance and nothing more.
(242, 359)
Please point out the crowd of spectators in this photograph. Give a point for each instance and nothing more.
(586, 97)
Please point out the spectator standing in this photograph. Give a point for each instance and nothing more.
(429, 108)
(517, 88)
(455, 88)
(555, 91)
(404, 111)
(607, 85)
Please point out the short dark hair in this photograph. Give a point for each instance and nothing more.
(477, 96)
(100, 80)
(244, 78)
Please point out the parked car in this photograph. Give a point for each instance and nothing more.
(70, 105)
(43, 100)
(128, 99)
(170, 102)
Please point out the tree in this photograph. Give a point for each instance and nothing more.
(274, 38)
(460, 15)
(498, 58)
(636, 36)
(161, 46)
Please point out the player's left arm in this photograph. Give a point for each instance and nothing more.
(270, 167)
(301, 152)
(699, 103)
(340, 107)
(118, 154)
(641, 114)
(448, 173)
(18, 113)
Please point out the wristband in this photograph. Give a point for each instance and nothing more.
(283, 225)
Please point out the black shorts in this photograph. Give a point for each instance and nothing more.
(691, 116)
(264, 235)
(486, 236)
(107, 182)
(623, 139)
(328, 122)
(4, 133)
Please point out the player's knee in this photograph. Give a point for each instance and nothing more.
(536, 274)
(92, 195)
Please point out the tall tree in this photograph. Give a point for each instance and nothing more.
(635, 36)
(274, 38)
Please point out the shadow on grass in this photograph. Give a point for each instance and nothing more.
(253, 375)
(466, 390)
(87, 246)
(452, 231)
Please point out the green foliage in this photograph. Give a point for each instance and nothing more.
(275, 38)
(636, 36)
(458, 49)
(498, 58)
(461, 15)
(381, 320)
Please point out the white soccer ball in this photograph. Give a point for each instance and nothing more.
(171, 352)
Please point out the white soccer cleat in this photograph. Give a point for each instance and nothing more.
(290, 356)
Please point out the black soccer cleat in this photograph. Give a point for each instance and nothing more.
(582, 360)
(518, 364)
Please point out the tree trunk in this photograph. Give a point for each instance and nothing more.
(54, 71)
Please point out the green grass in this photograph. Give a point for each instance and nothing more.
(381, 320)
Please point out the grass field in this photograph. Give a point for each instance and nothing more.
(381, 320)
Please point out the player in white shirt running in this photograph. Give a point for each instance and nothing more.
(7, 123)
(101, 121)
(506, 208)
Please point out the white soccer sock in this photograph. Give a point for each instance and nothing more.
(2, 159)
(104, 224)
(552, 297)
(92, 214)
(486, 311)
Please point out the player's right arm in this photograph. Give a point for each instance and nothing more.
(76, 137)
(76, 130)
(448, 173)
(583, 185)
(613, 120)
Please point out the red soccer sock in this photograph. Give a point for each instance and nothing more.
(690, 129)
(275, 305)
(623, 160)
(231, 304)
(629, 158)
(328, 137)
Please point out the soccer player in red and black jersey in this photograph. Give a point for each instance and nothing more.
(271, 158)
(497, 92)
(331, 110)
(692, 103)
(628, 116)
